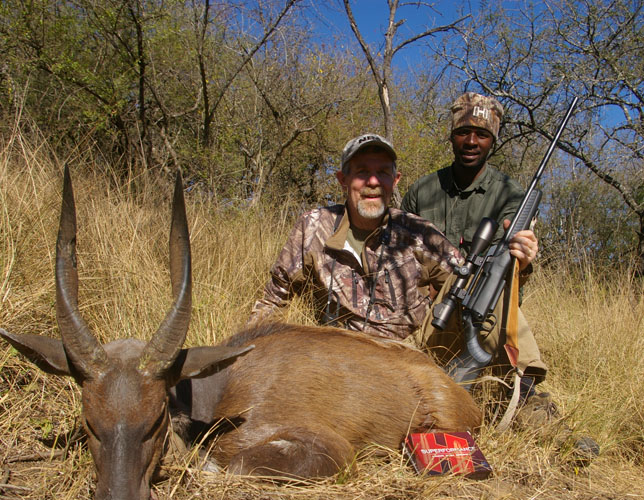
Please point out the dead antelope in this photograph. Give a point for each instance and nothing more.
(305, 400)
(124, 383)
(302, 401)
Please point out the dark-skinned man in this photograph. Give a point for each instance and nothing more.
(455, 199)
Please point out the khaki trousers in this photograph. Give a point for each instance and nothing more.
(447, 344)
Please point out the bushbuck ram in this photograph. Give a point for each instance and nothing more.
(285, 399)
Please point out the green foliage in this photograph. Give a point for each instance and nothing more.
(45, 425)
(131, 88)
(585, 221)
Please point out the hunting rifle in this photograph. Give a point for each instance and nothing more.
(481, 279)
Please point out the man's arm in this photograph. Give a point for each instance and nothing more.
(437, 258)
(285, 273)
(277, 294)
(409, 202)
(523, 245)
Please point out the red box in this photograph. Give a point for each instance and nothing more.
(446, 453)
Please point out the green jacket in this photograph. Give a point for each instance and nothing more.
(457, 213)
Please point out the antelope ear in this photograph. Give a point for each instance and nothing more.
(199, 362)
(46, 353)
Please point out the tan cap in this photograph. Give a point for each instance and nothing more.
(360, 142)
(475, 110)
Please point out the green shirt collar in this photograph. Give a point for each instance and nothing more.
(481, 183)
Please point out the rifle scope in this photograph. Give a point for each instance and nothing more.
(480, 242)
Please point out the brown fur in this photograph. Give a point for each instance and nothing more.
(305, 400)
(300, 403)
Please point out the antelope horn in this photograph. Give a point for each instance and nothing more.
(165, 345)
(85, 352)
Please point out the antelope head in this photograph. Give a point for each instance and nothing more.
(124, 383)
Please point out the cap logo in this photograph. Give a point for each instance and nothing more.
(367, 138)
(479, 112)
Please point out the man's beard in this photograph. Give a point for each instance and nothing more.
(373, 208)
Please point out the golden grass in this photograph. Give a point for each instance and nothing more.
(591, 333)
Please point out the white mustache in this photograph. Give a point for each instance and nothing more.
(371, 192)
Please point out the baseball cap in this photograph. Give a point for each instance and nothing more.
(360, 142)
(476, 110)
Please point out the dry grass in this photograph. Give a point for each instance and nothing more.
(591, 332)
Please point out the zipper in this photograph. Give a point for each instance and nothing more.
(354, 288)
(392, 293)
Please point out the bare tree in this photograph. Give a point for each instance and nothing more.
(383, 72)
(213, 97)
(283, 118)
(535, 60)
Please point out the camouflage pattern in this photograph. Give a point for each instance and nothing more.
(415, 263)
(475, 110)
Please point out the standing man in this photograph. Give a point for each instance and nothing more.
(455, 199)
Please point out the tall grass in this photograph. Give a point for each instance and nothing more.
(590, 330)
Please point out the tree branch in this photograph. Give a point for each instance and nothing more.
(248, 57)
(438, 29)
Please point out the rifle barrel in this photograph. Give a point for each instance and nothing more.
(543, 163)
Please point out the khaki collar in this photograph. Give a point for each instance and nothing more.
(336, 241)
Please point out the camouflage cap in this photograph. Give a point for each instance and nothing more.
(475, 110)
(360, 142)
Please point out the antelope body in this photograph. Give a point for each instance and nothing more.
(295, 401)
(306, 400)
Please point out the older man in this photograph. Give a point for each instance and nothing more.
(370, 267)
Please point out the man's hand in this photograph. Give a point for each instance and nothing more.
(523, 245)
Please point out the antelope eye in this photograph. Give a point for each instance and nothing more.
(157, 424)
(90, 430)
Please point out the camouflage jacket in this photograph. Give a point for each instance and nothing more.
(407, 257)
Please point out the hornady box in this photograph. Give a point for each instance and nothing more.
(446, 453)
